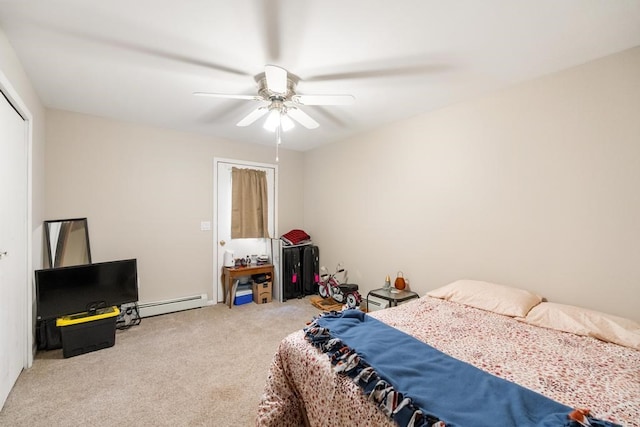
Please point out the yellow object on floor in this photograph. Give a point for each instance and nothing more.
(84, 317)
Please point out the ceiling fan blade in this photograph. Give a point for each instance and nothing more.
(327, 113)
(253, 116)
(301, 117)
(276, 79)
(229, 96)
(271, 22)
(323, 99)
(375, 72)
(128, 45)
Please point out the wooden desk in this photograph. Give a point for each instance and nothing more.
(229, 286)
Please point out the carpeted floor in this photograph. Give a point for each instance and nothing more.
(201, 367)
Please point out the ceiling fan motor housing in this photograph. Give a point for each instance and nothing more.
(268, 95)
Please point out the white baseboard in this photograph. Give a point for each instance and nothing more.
(169, 306)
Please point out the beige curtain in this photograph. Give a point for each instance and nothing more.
(249, 206)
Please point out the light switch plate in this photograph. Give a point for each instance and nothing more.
(205, 225)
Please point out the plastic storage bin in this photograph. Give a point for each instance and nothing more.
(243, 296)
(82, 333)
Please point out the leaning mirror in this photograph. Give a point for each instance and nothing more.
(66, 242)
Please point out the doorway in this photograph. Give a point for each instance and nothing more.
(222, 241)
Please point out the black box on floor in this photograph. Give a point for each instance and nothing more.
(84, 333)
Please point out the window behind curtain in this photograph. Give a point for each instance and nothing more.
(249, 205)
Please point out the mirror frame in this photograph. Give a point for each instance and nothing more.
(48, 261)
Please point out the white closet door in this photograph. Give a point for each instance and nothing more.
(13, 246)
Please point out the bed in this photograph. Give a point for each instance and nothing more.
(548, 348)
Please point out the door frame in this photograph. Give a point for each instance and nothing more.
(243, 163)
(28, 303)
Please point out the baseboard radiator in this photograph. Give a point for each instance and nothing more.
(375, 304)
(169, 306)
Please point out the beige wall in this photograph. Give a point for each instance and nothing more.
(12, 69)
(536, 186)
(145, 191)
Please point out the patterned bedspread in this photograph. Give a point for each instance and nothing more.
(580, 372)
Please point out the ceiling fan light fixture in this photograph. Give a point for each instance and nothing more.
(286, 123)
(275, 119)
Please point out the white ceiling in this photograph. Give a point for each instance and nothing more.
(140, 60)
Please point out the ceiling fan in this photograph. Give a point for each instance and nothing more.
(277, 91)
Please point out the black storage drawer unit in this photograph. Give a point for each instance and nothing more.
(310, 269)
(300, 271)
(291, 268)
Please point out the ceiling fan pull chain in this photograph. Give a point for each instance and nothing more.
(278, 140)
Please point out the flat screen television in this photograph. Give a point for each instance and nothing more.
(69, 290)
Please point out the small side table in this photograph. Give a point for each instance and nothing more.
(393, 295)
(229, 273)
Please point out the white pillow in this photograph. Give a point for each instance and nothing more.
(499, 299)
(582, 321)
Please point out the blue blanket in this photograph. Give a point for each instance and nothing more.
(451, 390)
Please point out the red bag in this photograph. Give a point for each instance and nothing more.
(295, 237)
